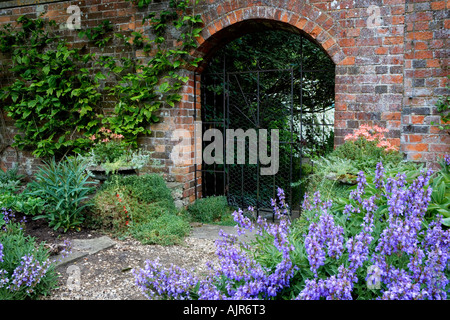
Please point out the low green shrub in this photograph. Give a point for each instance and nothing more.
(106, 213)
(138, 206)
(365, 156)
(10, 180)
(332, 177)
(22, 202)
(12, 198)
(113, 207)
(167, 229)
(146, 188)
(211, 210)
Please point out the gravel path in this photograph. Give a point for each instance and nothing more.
(106, 275)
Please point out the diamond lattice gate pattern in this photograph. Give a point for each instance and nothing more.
(266, 113)
(258, 126)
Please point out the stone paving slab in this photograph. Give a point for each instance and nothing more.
(209, 231)
(92, 246)
(84, 247)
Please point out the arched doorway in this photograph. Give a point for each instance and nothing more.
(262, 82)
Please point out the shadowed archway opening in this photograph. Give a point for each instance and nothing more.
(268, 78)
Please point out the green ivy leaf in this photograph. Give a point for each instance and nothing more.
(32, 104)
(164, 87)
(100, 76)
(176, 64)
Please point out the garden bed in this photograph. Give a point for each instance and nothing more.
(40, 230)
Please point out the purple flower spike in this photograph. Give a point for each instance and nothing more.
(447, 159)
(379, 175)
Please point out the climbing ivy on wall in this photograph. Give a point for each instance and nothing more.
(52, 97)
(55, 94)
(143, 87)
(443, 108)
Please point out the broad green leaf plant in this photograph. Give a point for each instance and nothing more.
(65, 187)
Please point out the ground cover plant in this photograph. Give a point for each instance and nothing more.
(361, 252)
(214, 209)
(11, 196)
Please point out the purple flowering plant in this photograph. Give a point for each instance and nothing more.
(25, 268)
(392, 242)
(376, 246)
(239, 273)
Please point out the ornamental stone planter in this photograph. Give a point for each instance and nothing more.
(100, 173)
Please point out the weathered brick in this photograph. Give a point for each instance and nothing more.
(419, 147)
(381, 89)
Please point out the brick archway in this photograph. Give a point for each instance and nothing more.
(231, 20)
(228, 21)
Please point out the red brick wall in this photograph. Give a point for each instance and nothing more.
(391, 61)
(425, 69)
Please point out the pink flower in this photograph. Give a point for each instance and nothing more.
(365, 127)
(369, 133)
(116, 136)
(383, 144)
(392, 147)
(380, 129)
